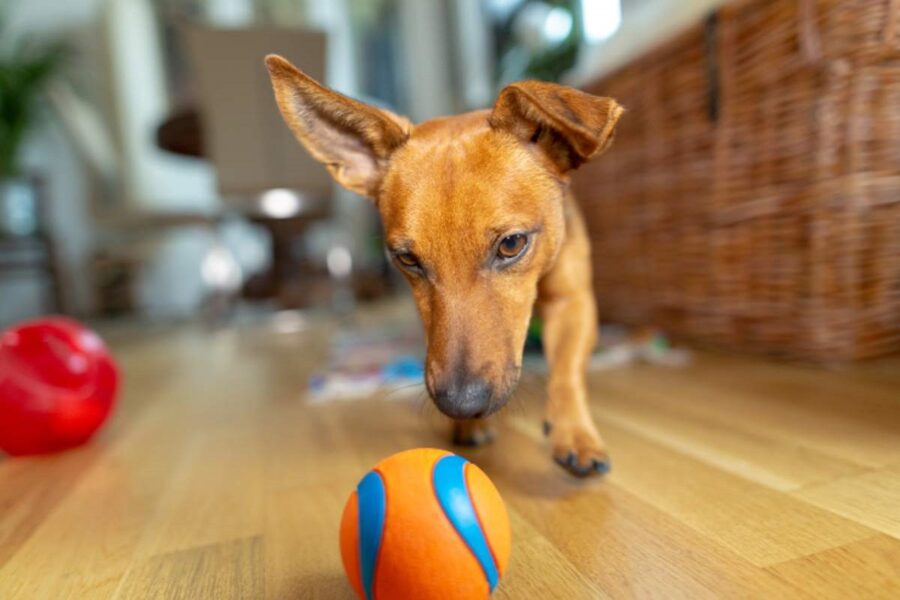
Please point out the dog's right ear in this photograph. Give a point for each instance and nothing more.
(354, 140)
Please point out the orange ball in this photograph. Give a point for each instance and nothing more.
(425, 524)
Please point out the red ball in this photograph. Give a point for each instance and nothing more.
(58, 385)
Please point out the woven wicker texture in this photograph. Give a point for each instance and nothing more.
(752, 196)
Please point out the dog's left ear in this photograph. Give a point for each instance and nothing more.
(568, 125)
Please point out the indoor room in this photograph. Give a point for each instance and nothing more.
(449, 299)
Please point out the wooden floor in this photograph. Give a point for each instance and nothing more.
(733, 478)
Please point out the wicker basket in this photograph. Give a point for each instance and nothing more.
(752, 197)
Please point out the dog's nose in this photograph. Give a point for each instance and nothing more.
(463, 398)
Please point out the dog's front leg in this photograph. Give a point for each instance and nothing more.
(570, 325)
(567, 306)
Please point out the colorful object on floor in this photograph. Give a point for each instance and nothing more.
(621, 347)
(363, 363)
(58, 385)
(425, 524)
(618, 347)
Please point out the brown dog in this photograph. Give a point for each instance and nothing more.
(479, 218)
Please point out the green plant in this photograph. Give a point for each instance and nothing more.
(549, 63)
(25, 68)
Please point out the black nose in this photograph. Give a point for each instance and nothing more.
(463, 398)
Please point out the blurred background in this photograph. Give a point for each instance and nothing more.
(745, 234)
(750, 201)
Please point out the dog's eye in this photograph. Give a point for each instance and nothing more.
(512, 246)
(407, 260)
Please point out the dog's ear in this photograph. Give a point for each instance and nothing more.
(354, 140)
(569, 126)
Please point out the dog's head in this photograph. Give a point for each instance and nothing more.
(472, 208)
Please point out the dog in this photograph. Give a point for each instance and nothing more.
(479, 218)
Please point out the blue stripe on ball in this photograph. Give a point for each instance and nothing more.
(371, 500)
(453, 495)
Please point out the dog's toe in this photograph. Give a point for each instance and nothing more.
(579, 450)
(602, 466)
(595, 466)
(579, 471)
(472, 434)
(475, 440)
(567, 462)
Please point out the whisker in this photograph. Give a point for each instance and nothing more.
(437, 422)
(392, 391)
(515, 407)
(424, 403)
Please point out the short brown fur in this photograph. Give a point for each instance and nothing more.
(450, 192)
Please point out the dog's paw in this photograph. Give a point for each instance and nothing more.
(473, 433)
(577, 447)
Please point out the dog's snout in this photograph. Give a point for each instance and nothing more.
(463, 398)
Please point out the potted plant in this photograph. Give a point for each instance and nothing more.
(25, 69)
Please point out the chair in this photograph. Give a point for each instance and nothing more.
(262, 171)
